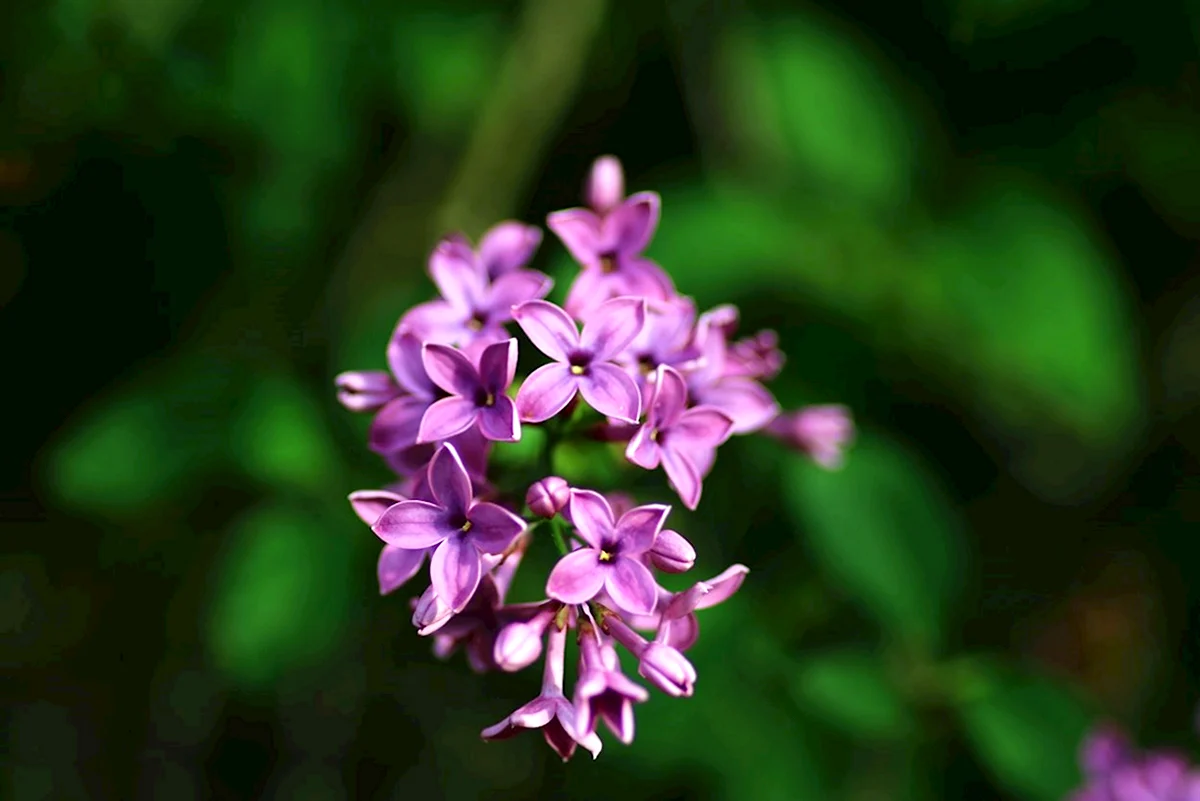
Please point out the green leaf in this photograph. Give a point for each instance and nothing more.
(883, 530)
(143, 445)
(852, 690)
(280, 599)
(1026, 730)
(280, 437)
(804, 96)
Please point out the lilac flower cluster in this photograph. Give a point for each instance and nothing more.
(1115, 771)
(626, 360)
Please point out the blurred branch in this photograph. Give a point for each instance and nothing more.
(540, 74)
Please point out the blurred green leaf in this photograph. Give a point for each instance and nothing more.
(804, 95)
(446, 63)
(978, 18)
(884, 531)
(280, 600)
(1012, 297)
(141, 446)
(852, 690)
(1026, 729)
(280, 437)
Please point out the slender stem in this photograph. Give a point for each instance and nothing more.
(560, 540)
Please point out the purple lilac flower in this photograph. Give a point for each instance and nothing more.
(755, 357)
(519, 643)
(582, 361)
(603, 692)
(1115, 771)
(669, 337)
(609, 559)
(548, 496)
(461, 529)
(507, 247)
(608, 241)
(550, 711)
(473, 307)
(396, 565)
(477, 394)
(365, 390)
(822, 432)
(678, 438)
(675, 621)
(747, 402)
(658, 663)
(396, 425)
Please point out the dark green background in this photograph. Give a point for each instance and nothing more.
(973, 221)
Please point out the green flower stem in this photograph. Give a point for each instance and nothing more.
(557, 526)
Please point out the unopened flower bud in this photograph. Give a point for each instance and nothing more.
(672, 553)
(365, 390)
(431, 613)
(606, 185)
(548, 497)
(667, 669)
(519, 644)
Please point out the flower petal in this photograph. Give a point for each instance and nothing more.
(638, 528)
(397, 424)
(498, 366)
(631, 586)
(612, 326)
(493, 528)
(413, 525)
(592, 517)
(370, 504)
(546, 392)
(450, 369)
(610, 391)
(499, 422)
(446, 418)
(508, 246)
(513, 289)
(448, 480)
(404, 360)
(396, 566)
(701, 427)
(459, 279)
(748, 403)
(455, 571)
(669, 397)
(577, 577)
(549, 328)
(435, 321)
(644, 277)
(630, 227)
(642, 449)
(683, 476)
(580, 231)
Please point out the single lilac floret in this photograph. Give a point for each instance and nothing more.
(608, 239)
(682, 440)
(582, 361)
(507, 247)
(550, 711)
(477, 394)
(473, 307)
(462, 530)
(672, 553)
(822, 432)
(658, 663)
(747, 402)
(603, 692)
(610, 559)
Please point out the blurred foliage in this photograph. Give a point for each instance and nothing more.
(976, 218)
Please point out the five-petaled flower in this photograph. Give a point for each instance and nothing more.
(582, 361)
(462, 529)
(610, 558)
